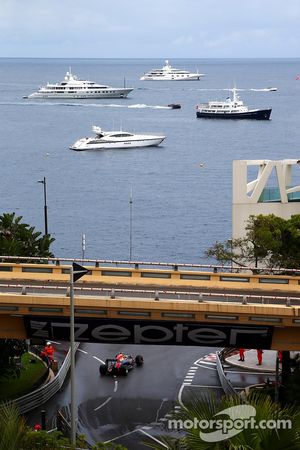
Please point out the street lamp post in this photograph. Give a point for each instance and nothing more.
(130, 225)
(45, 204)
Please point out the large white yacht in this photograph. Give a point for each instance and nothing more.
(116, 139)
(73, 87)
(169, 73)
(231, 108)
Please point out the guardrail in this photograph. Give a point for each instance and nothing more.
(225, 382)
(44, 393)
(147, 276)
(137, 264)
(157, 294)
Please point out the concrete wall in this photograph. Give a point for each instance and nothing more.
(246, 194)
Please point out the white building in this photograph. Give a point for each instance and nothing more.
(272, 190)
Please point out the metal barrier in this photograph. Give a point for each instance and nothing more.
(201, 297)
(137, 264)
(225, 382)
(44, 393)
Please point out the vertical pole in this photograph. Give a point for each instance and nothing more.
(43, 419)
(130, 226)
(83, 246)
(72, 342)
(276, 394)
(45, 206)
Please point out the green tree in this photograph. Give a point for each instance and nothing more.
(269, 240)
(209, 408)
(15, 435)
(8, 349)
(12, 428)
(20, 239)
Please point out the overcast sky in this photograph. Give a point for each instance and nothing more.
(149, 28)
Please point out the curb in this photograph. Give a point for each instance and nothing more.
(250, 368)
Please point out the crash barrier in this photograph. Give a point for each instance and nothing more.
(41, 395)
(122, 272)
(225, 382)
(157, 295)
(63, 424)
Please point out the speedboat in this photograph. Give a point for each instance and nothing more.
(231, 108)
(116, 139)
(169, 73)
(174, 106)
(73, 87)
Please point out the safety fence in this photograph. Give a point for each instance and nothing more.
(156, 294)
(41, 395)
(225, 382)
(143, 273)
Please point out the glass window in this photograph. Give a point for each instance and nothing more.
(274, 280)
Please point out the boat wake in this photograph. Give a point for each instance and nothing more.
(268, 89)
(86, 105)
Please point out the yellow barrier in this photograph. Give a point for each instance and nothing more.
(154, 277)
(284, 321)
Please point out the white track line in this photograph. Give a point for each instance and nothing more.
(82, 351)
(208, 362)
(103, 404)
(98, 359)
(121, 435)
(116, 386)
(205, 386)
(152, 437)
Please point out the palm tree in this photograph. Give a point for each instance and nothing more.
(260, 438)
(12, 427)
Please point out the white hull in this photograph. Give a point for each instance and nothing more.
(169, 73)
(173, 78)
(114, 93)
(134, 143)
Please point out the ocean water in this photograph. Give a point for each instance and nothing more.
(182, 191)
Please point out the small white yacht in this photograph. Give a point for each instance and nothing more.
(116, 139)
(231, 108)
(73, 87)
(169, 73)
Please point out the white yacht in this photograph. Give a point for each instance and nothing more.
(231, 108)
(169, 73)
(73, 87)
(116, 139)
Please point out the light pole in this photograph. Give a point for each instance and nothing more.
(83, 246)
(72, 348)
(231, 248)
(130, 225)
(43, 181)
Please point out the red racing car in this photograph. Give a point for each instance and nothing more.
(121, 364)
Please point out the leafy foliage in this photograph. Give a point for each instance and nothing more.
(269, 240)
(15, 435)
(209, 408)
(12, 428)
(8, 349)
(21, 239)
(18, 239)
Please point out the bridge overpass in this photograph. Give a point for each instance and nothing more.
(147, 305)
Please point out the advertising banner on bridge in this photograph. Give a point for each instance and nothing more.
(152, 332)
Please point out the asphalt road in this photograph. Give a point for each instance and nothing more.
(130, 410)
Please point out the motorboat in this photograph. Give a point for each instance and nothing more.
(169, 73)
(73, 87)
(174, 106)
(231, 108)
(116, 139)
